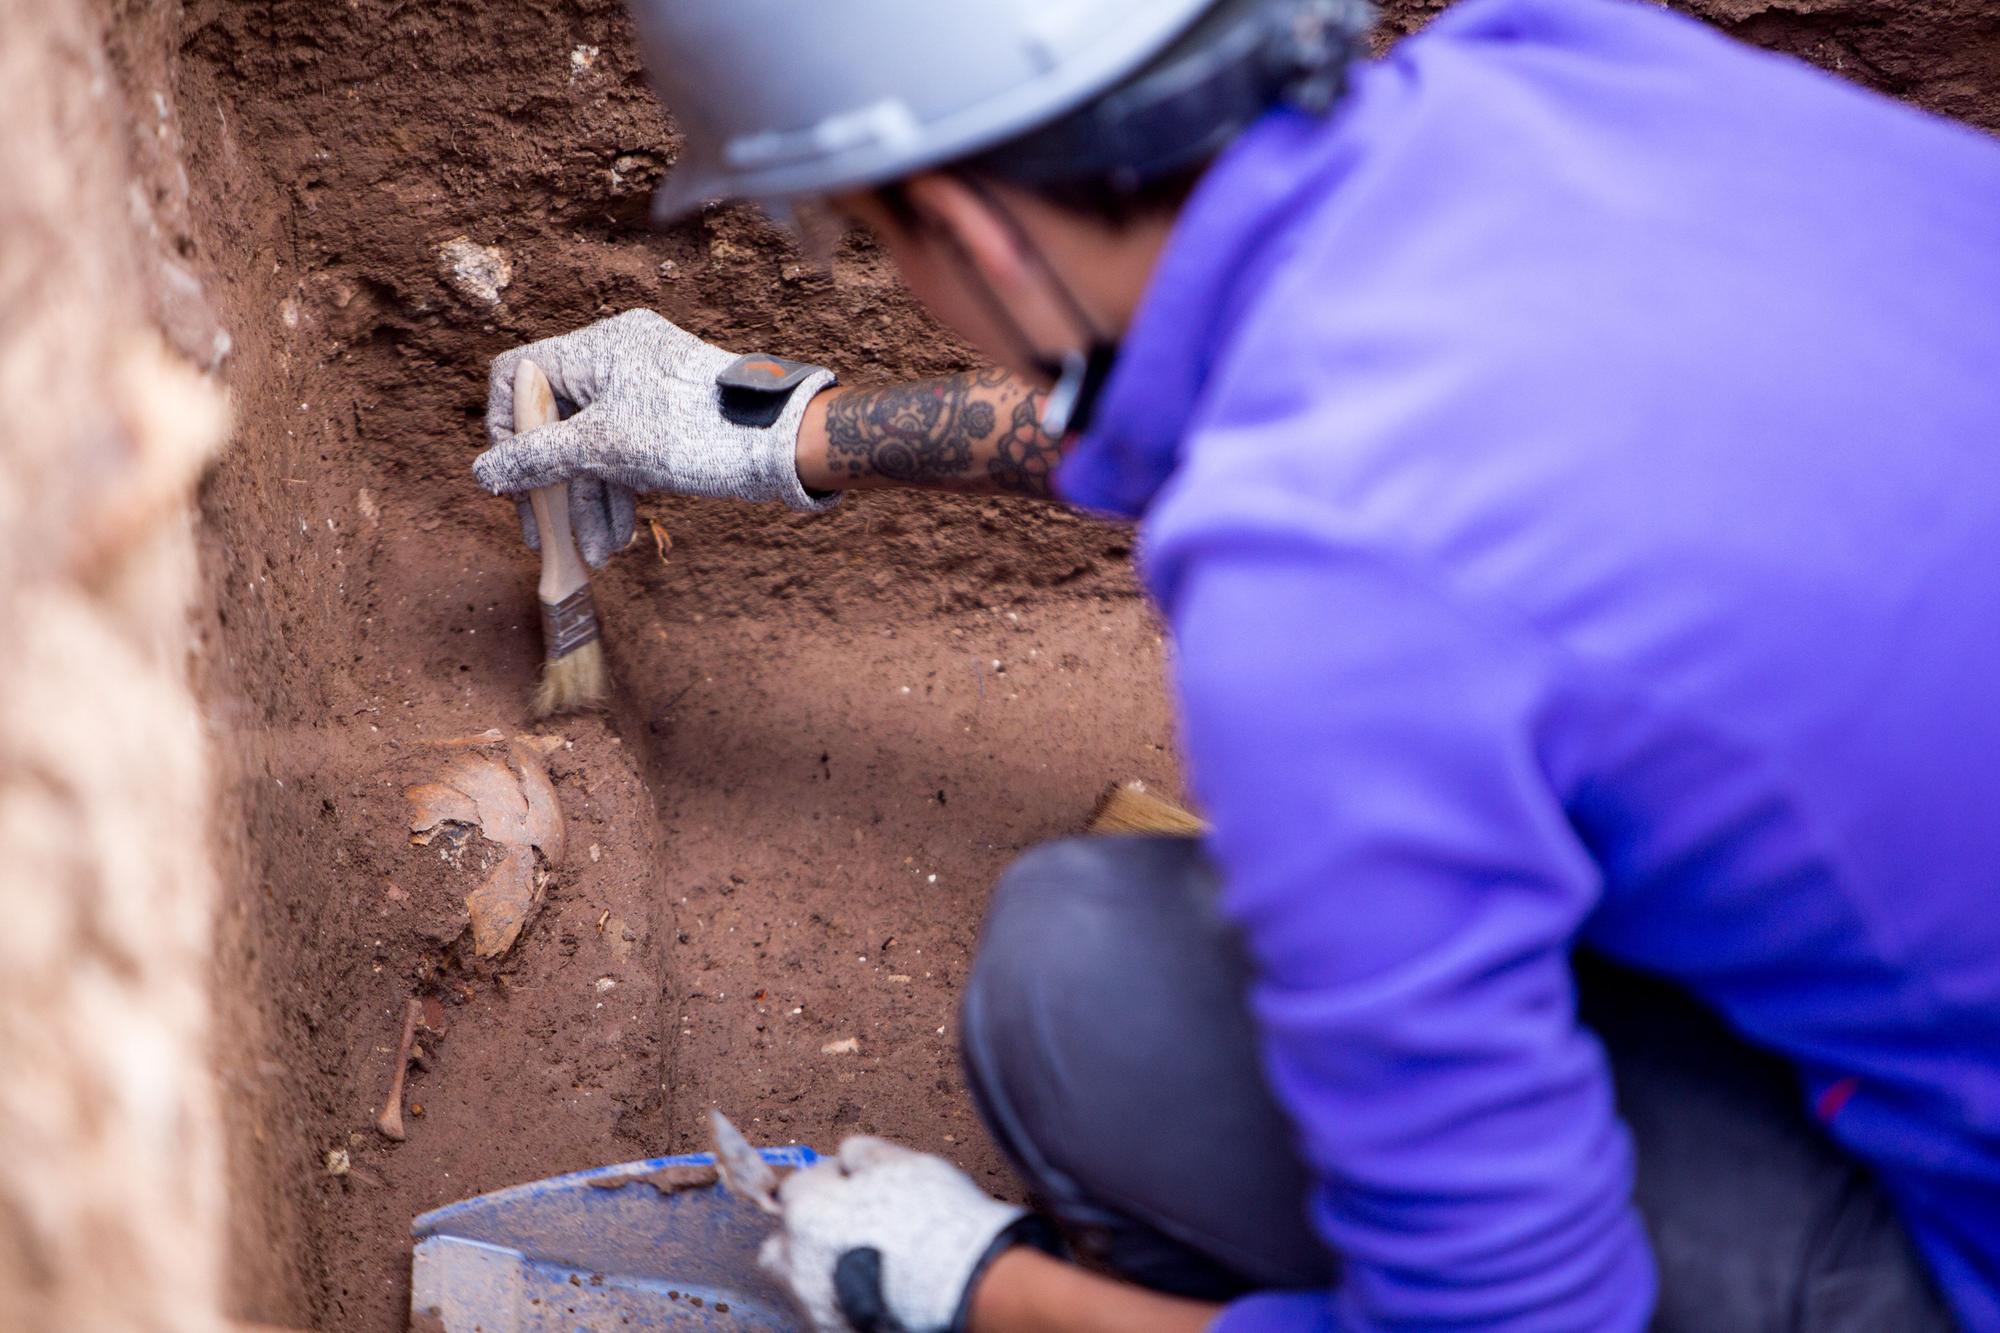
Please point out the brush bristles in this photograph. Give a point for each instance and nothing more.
(578, 681)
(1130, 808)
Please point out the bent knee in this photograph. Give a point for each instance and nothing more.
(1106, 1031)
(1061, 912)
(1079, 932)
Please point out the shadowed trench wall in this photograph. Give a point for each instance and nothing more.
(830, 733)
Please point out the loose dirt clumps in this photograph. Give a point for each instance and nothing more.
(830, 733)
(830, 736)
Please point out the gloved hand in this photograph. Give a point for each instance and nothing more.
(884, 1239)
(647, 419)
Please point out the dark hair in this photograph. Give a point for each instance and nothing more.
(1110, 201)
(1094, 197)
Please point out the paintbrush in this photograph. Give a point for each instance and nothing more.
(574, 673)
(1127, 807)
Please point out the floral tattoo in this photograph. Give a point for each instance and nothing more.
(944, 432)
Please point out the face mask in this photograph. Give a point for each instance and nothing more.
(1076, 376)
(1078, 380)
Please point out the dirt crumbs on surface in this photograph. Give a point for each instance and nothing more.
(756, 883)
(668, 1180)
(830, 734)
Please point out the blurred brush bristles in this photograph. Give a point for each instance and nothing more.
(1129, 808)
(578, 681)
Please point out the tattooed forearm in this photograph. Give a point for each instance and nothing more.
(912, 433)
(978, 431)
(1024, 457)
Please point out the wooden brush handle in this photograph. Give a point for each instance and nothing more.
(563, 570)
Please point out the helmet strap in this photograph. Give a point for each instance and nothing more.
(1078, 374)
(1079, 380)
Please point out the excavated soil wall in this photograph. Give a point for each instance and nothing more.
(830, 734)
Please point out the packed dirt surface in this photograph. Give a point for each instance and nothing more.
(830, 734)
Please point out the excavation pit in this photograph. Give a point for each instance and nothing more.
(829, 734)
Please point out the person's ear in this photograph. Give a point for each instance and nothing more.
(988, 241)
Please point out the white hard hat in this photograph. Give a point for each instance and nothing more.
(782, 98)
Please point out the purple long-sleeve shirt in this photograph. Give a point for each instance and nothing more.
(1572, 474)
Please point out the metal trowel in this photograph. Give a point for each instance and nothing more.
(655, 1244)
(747, 1174)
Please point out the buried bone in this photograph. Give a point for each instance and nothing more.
(510, 803)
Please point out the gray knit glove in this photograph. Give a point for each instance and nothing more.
(884, 1239)
(647, 418)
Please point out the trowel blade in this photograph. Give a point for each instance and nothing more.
(744, 1171)
(625, 1247)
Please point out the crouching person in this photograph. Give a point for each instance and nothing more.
(1563, 452)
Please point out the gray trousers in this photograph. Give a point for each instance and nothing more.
(1108, 1046)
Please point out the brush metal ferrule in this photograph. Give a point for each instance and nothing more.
(568, 624)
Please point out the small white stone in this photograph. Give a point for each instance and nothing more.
(477, 272)
(604, 984)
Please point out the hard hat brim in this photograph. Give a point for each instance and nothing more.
(888, 141)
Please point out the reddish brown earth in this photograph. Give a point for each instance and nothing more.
(830, 733)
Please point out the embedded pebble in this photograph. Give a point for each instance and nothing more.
(477, 272)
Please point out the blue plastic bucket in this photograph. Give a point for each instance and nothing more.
(599, 1251)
